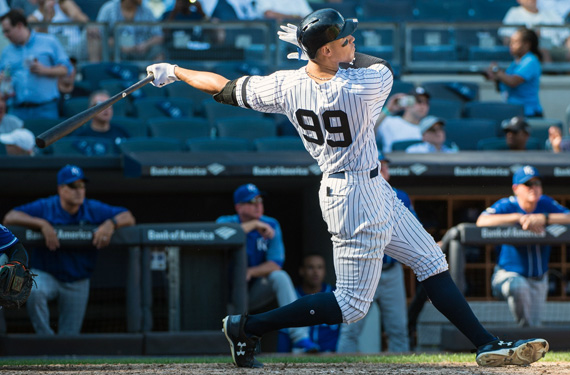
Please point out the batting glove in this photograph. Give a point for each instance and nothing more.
(163, 74)
(289, 35)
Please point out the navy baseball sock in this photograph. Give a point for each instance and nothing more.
(447, 298)
(309, 310)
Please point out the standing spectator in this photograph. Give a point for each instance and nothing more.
(562, 7)
(517, 132)
(312, 273)
(433, 137)
(392, 128)
(266, 279)
(530, 15)
(283, 10)
(8, 122)
(59, 11)
(19, 142)
(136, 42)
(520, 83)
(556, 141)
(64, 273)
(390, 294)
(33, 62)
(521, 274)
(101, 125)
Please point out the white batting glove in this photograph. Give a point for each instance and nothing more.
(163, 74)
(289, 35)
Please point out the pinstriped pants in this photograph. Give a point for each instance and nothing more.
(366, 219)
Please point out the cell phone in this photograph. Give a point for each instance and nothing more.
(407, 101)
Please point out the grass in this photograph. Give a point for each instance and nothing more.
(272, 358)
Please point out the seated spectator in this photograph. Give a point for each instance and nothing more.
(433, 137)
(556, 141)
(520, 83)
(58, 11)
(19, 142)
(280, 10)
(100, 126)
(67, 87)
(64, 273)
(232, 10)
(185, 10)
(312, 273)
(136, 42)
(530, 15)
(8, 122)
(391, 128)
(517, 131)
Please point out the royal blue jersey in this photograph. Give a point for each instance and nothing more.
(66, 264)
(528, 260)
(7, 239)
(259, 249)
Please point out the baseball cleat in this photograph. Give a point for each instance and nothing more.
(503, 353)
(242, 347)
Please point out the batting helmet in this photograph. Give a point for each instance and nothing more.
(321, 27)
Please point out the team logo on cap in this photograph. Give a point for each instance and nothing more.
(75, 171)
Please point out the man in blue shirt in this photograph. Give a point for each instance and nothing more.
(520, 276)
(32, 63)
(265, 257)
(64, 273)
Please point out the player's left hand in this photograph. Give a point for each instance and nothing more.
(163, 74)
(102, 235)
(533, 222)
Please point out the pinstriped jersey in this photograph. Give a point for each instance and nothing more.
(335, 119)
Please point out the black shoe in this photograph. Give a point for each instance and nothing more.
(242, 347)
(502, 353)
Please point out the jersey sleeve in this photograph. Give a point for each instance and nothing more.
(103, 211)
(227, 219)
(499, 207)
(35, 208)
(260, 93)
(552, 206)
(528, 68)
(276, 250)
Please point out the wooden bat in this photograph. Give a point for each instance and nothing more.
(64, 128)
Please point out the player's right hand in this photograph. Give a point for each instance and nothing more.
(50, 235)
(163, 74)
(265, 229)
(289, 35)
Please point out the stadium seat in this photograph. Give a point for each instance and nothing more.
(390, 11)
(73, 106)
(466, 132)
(215, 111)
(452, 90)
(90, 7)
(133, 126)
(151, 144)
(183, 90)
(181, 129)
(219, 145)
(94, 73)
(401, 87)
(283, 143)
(499, 143)
(348, 8)
(443, 10)
(88, 146)
(445, 108)
(445, 52)
(246, 127)
(488, 54)
(146, 108)
(539, 128)
(403, 145)
(492, 10)
(497, 111)
(40, 125)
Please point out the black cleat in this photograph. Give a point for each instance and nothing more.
(242, 347)
(503, 353)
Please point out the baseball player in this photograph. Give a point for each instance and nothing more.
(333, 102)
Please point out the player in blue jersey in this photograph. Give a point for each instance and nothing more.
(520, 275)
(265, 258)
(64, 273)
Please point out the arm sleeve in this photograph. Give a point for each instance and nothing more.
(366, 61)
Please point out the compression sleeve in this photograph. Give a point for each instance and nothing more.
(365, 61)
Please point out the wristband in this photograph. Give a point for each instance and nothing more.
(545, 218)
(386, 111)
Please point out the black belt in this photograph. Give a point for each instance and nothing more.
(373, 173)
(33, 105)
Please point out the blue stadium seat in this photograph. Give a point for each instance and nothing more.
(492, 10)
(181, 129)
(88, 146)
(94, 73)
(348, 8)
(445, 52)
(40, 125)
(497, 111)
(133, 126)
(215, 111)
(90, 7)
(246, 127)
(388, 11)
(500, 144)
(401, 87)
(403, 145)
(539, 128)
(496, 53)
(151, 144)
(183, 90)
(452, 90)
(146, 108)
(283, 143)
(443, 10)
(219, 145)
(466, 132)
(445, 108)
(73, 106)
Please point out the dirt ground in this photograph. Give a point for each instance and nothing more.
(542, 368)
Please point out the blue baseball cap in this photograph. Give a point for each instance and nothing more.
(381, 157)
(246, 193)
(70, 173)
(525, 173)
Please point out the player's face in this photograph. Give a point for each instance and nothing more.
(530, 191)
(435, 135)
(344, 49)
(72, 194)
(252, 210)
(313, 271)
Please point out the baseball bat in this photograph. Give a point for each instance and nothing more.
(64, 128)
